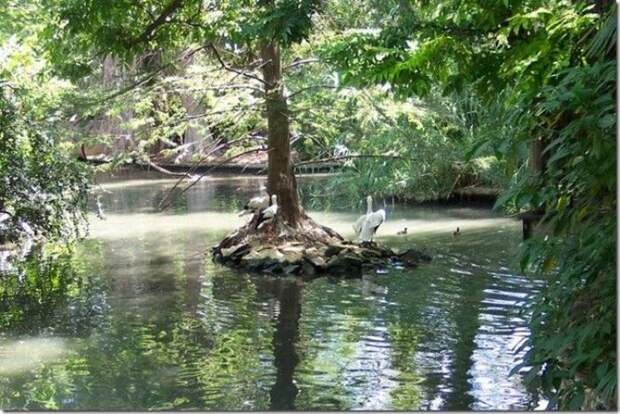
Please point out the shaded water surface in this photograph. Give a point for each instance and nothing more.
(139, 318)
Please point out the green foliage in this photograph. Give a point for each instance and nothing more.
(574, 342)
(517, 72)
(428, 95)
(41, 184)
(49, 290)
(79, 33)
(398, 142)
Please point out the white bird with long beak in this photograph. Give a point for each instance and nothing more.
(268, 213)
(255, 204)
(371, 224)
(359, 224)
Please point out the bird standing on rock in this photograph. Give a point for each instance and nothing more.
(255, 204)
(359, 223)
(268, 213)
(371, 224)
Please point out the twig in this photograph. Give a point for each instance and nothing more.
(385, 116)
(344, 157)
(165, 206)
(163, 18)
(216, 147)
(301, 62)
(165, 171)
(223, 87)
(145, 78)
(231, 69)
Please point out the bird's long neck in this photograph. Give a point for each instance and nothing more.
(368, 205)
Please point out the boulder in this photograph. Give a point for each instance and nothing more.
(282, 256)
(412, 257)
(293, 254)
(235, 252)
(267, 258)
(308, 268)
(316, 261)
(334, 249)
(370, 253)
(346, 265)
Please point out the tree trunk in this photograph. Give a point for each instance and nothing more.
(537, 161)
(281, 177)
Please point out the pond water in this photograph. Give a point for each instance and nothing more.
(140, 318)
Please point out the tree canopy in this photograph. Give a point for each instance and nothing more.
(415, 98)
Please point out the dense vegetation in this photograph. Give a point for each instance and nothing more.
(41, 183)
(416, 97)
(553, 66)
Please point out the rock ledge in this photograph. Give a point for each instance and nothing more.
(278, 251)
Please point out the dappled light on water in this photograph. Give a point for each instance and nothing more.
(141, 315)
(140, 224)
(25, 354)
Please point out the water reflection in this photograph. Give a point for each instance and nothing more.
(141, 316)
(284, 391)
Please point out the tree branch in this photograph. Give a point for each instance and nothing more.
(300, 62)
(163, 170)
(231, 69)
(163, 18)
(217, 145)
(223, 87)
(163, 206)
(344, 157)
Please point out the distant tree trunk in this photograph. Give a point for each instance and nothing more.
(281, 177)
(537, 161)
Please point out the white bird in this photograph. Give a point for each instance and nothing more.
(341, 151)
(371, 224)
(269, 213)
(99, 208)
(255, 204)
(357, 227)
(26, 227)
(4, 217)
(194, 178)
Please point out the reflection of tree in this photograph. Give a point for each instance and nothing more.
(233, 374)
(145, 349)
(338, 368)
(465, 314)
(404, 341)
(441, 309)
(160, 337)
(51, 291)
(284, 391)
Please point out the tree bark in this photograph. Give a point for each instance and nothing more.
(281, 177)
(537, 161)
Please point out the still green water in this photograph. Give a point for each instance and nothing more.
(139, 318)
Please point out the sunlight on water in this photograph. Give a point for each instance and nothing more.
(162, 327)
(22, 355)
(138, 225)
